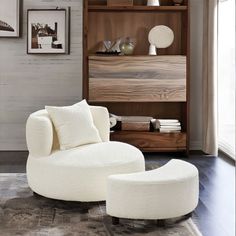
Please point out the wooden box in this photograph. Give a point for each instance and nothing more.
(119, 3)
(135, 126)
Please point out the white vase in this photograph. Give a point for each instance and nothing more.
(153, 3)
(152, 50)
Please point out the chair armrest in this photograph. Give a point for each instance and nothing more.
(39, 134)
(101, 121)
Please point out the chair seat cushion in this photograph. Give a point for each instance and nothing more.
(80, 174)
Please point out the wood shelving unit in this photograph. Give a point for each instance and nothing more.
(155, 86)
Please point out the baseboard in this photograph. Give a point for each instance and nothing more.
(13, 157)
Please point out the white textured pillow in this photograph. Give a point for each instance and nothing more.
(74, 125)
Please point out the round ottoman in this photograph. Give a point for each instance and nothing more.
(80, 174)
(167, 192)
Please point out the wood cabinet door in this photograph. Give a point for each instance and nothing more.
(137, 78)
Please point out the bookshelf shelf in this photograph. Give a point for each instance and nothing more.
(138, 8)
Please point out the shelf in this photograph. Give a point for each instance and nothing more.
(94, 55)
(137, 8)
(152, 141)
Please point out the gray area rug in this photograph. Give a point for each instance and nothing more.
(22, 213)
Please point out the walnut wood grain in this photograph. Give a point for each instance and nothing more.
(110, 25)
(147, 141)
(135, 90)
(137, 79)
(116, 3)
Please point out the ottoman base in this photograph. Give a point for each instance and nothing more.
(170, 191)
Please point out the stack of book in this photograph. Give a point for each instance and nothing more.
(168, 125)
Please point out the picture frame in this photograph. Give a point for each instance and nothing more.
(10, 16)
(48, 31)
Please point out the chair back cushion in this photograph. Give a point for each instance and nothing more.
(41, 136)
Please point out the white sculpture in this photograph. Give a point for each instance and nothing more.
(153, 3)
(160, 36)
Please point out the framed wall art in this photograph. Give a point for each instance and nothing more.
(10, 18)
(48, 31)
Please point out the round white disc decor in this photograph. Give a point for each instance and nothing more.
(161, 36)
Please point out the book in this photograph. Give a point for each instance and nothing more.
(178, 127)
(170, 129)
(169, 123)
(163, 121)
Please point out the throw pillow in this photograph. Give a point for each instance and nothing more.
(74, 125)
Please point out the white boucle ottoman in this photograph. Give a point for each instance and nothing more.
(167, 192)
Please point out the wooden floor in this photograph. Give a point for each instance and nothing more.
(215, 214)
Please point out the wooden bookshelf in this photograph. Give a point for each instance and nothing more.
(140, 84)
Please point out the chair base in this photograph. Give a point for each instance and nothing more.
(115, 220)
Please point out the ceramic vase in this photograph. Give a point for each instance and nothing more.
(152, 50)
(153, 3)
(127, 47)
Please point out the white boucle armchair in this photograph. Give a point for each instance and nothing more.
(77, 174)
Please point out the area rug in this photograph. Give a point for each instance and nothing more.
(22, 213)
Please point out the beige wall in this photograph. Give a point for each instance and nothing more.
(29, 82)
(196, 8)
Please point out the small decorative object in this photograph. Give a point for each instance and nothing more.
(127, 46)
(113, 122)
(160, 36)
(153, 3)
(48, 31)
(9, 18)
(177, 2)
(120, 3)
(109, 47)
